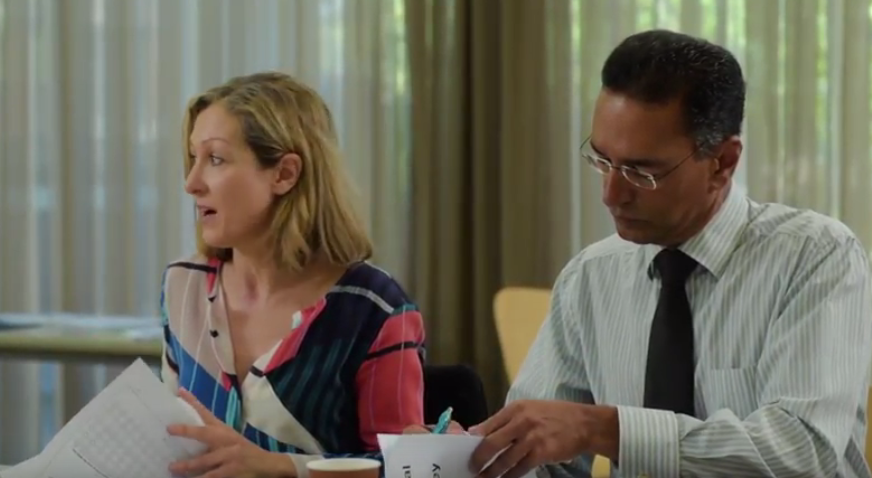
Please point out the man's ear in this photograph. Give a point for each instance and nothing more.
(287, 173)
(726, 161)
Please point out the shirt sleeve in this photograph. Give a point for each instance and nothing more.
(390, 382)
(554, 368)
(169, 370)
(812, 379)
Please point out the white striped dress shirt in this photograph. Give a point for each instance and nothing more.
(782, 314)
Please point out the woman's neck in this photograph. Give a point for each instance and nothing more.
(260, 275)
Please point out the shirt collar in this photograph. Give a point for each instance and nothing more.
(712, 246)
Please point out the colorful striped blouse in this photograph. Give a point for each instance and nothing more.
(351, 368)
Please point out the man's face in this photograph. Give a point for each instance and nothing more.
(652, 139)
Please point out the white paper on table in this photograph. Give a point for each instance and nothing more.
(26, 469)
(121, 433)
(429, 455)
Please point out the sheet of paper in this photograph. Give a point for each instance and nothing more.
(123, 428)
(429, 456)
(27, 469)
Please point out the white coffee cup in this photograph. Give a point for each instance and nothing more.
(344, 468)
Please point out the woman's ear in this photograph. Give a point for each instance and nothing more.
(287, 173)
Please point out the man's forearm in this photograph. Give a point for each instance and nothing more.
(771, 442)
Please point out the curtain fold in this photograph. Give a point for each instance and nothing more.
(456, 101)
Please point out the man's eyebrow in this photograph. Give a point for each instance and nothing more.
(632, 162)
(643, 163)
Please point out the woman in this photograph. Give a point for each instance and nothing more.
(294, 345)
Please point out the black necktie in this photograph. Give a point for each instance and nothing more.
(669, 372)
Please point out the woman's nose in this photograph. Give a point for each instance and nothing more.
(194, 182)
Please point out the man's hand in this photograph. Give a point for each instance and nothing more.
(531, 433)
(230, 455)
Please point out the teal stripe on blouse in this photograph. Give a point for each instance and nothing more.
(232, 416)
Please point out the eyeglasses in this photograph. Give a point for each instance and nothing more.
(633, 175)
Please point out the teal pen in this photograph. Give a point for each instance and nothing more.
(444, 420)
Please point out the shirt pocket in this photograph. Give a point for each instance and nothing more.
(734, 389)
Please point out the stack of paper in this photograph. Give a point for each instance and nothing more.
(121, 433)
(429, 455)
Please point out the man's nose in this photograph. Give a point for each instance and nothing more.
(617, 191)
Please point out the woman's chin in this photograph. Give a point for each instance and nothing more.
(218, 241)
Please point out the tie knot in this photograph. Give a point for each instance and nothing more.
(674, 266)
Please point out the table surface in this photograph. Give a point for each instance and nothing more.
(81, 336)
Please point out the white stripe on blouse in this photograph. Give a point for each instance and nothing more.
(782, 307)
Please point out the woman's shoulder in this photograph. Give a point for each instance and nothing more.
(188, 275)
(371, 305)
(369, 283)
(196, 263)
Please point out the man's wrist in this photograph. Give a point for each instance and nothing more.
(603, 430)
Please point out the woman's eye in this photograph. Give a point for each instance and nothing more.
(215, 160)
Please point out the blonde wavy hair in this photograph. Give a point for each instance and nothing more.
(279, 115)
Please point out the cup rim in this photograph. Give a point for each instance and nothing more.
(327, 464)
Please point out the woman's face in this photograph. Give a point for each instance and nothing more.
(233, 193)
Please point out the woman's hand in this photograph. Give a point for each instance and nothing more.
(229, 454)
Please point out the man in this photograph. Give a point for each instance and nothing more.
(711, 336)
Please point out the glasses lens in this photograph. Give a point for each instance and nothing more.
(597, 163)
(640, 179)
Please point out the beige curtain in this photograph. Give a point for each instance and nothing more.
(91, 200)
(502, 96)
(457, 256)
